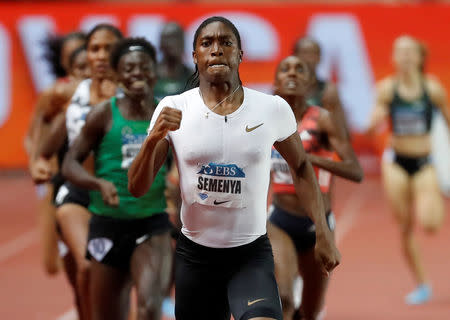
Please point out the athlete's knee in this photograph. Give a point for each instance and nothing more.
(149, 305)
(61, 213)
(83, 269)
(431, 226)
(401, 216)
(51, 268)
(287, 302)
(312, 317)
(310, 314)
(407, 238)
(297, 315)
(52, 263)
(151, 290)
(406, 226)
(431, 219)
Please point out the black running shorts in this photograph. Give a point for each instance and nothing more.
(70, 193)
(301, 230)
(112, 241)
(214, 283)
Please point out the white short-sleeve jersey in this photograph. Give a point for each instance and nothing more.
(78, 109)
(224, 165)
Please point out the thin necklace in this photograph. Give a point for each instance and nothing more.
(212, 109)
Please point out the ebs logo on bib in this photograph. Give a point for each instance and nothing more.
(220, 184)
(222, 170)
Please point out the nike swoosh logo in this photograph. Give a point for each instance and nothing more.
(220, 202)
(249, 303)
(251, 129)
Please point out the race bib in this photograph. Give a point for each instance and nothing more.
(129, 152)
(131, 144)
(281, 172)
(409, 122)
(220, 185)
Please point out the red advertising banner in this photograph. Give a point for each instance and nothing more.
(356, 43)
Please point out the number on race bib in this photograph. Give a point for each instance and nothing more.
(129, 152)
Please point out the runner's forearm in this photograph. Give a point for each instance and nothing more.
(345, 169)
(307, 188)
(142, 171)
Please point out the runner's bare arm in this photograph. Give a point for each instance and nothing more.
(381, 110)
(305, 180)
(332, 103)
(89, 137)
(53, 118)
(37, 125)
(153, 152)
(60, 95)
(40, 169)
(438, 96)
(348, 167)
(53, 139)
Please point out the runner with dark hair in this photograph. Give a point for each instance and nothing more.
(291, 231)
(222, 135)
(321, 93)
(60, 49)
(72, 214)
(129, 238)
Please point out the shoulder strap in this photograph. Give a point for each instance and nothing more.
(426, 96)
(395, 95)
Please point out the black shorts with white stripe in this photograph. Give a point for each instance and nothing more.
(112, 241)
(70, 193)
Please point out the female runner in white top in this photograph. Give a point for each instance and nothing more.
(222, 147)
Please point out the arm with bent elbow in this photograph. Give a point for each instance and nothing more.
(381, 110)
(89, 138)
(349, 167)
(308, 189)
(153, 152)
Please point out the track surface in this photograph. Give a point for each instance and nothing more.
(370, 284)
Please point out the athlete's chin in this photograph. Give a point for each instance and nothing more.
(289, 93)
(406, 67)
(138, 95)
(102, 74)
(218, 75)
